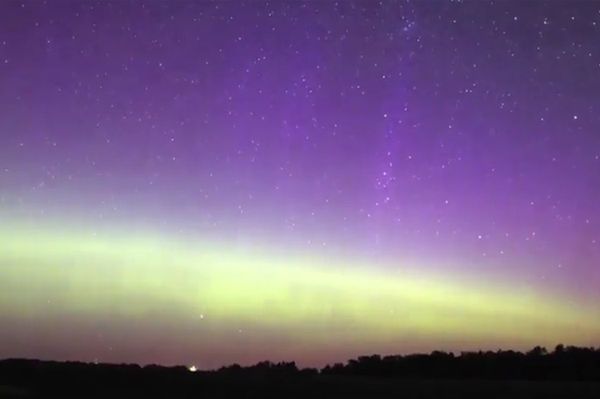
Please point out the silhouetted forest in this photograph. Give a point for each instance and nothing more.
(566, 372)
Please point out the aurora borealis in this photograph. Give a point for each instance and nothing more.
(216, 182)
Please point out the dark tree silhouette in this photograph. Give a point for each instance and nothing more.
(564, 373)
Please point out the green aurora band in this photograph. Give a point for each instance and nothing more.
(211, 305)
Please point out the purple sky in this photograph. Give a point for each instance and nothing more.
(461, 135)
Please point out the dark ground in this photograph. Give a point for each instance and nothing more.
(329, 387)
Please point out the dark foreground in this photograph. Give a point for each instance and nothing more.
(323, 387)
(565, 373)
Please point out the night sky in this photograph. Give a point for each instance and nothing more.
(215, 182)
